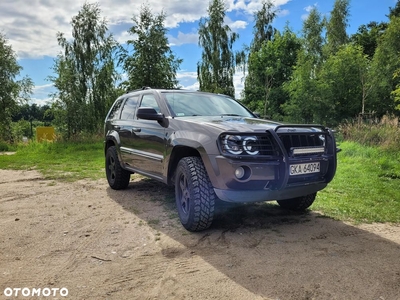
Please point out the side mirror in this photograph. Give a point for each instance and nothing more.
(149, 113)
(257, 114)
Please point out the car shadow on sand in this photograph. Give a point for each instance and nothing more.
(273, 252)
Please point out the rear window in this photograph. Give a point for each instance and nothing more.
(115, 110)
(128, 111)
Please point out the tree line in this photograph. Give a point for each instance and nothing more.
(322, 75)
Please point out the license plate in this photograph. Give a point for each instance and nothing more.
(301, 169)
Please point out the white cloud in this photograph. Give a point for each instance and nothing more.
(186, 75)
(238, 83)
(43, 91)
(41, 102)
(193, 87)
(183, 38)
(283, 13)
(123, 36)
(238, 25)
(308, 9)
(188, 81)
(41, 94)
(249, 7)
(31, 26)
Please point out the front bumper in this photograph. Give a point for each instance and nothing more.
(242, 196)
(269, 178)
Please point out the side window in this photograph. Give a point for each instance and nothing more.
(128, 111)
(150, 101)
(114, 113)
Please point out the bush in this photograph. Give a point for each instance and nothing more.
(384, 133)
(3, 146)
(20, 129)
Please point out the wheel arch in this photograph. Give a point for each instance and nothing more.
(112, 139)
(177, 153)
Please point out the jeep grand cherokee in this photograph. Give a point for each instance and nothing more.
(210, 146)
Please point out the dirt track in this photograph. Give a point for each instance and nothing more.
(105, 244)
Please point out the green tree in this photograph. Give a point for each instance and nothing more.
(368, 35)
(303, 91)
(344, 85)
(33, 111)
(302, 86)
(152, 62)
(12, 91)
(395, 11)
(396, 92)
(85, 73)
(263, 30)
(384, 66)
(336, 26)
(217, 66)
(269, 69)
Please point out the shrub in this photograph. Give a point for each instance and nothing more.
(384, 133)
(3, 146)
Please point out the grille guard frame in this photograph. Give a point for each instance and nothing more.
(282, 158)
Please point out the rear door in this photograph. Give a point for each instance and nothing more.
(126, 128)
(113, 122)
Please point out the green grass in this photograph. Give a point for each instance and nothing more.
(366, 187)
(62, 160)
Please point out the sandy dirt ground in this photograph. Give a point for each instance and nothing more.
(103, 244)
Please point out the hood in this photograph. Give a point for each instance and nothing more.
(229, 123)
(244, 124)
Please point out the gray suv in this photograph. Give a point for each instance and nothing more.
(210, 146)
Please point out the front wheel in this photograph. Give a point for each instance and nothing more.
(298, 203)
(194, 194)
(117, 177)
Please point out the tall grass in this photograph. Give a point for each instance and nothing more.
(384, 133)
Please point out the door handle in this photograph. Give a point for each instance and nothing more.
(135, 129)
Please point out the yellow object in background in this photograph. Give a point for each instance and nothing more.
(45, 134)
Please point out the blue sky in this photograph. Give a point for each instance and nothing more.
(31, 27)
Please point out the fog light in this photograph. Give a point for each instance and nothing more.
(239, 173)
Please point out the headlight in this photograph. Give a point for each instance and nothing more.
(237, 144)
(250, 145)
(233, 144)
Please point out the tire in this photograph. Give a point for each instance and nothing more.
(117, 177)
(298, 203)
(194, 194)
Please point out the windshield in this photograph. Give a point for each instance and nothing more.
(198, 104)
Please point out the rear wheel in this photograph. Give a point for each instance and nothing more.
(298, 203)
(117, 177)
(194, 194)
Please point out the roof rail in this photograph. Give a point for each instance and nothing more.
(141, 89)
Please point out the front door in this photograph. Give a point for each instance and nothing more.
(148, 141)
